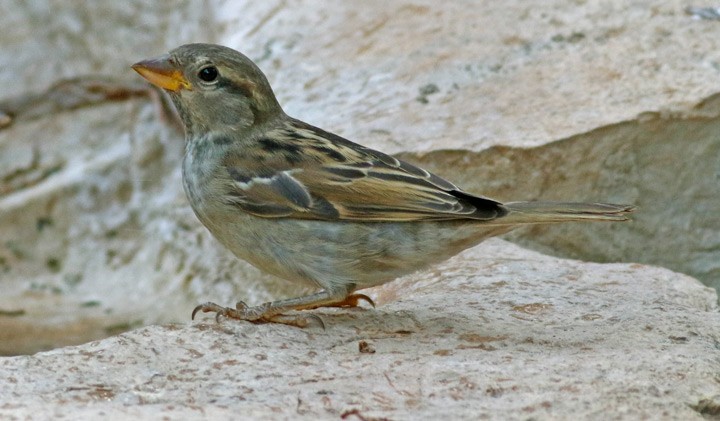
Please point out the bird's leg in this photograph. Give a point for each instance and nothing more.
(272, 312)
(352, 300)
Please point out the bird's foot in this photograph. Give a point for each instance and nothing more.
(352, 300)
(263, 313)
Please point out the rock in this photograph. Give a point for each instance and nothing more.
(497, 332)
(516, 101)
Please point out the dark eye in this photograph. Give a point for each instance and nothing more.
(208, 74)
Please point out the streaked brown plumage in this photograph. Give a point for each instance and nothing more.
(310, 206)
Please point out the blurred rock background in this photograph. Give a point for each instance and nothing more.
(608, 101)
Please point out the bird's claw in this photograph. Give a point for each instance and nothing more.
(257, 315)
(352, 300)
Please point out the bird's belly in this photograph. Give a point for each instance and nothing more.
(328, 254)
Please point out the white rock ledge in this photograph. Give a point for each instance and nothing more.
(498, 332)
(95, 233)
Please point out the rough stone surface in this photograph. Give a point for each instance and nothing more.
(668, 166)
(572, 101)
(498, 332)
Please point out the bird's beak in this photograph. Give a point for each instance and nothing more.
(163, 73)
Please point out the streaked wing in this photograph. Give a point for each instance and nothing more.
(331, 178)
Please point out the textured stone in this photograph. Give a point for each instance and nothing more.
(498, 332)
(96, 236)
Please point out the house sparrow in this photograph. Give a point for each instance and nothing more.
(310, 206)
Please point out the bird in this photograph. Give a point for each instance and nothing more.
(312, 207)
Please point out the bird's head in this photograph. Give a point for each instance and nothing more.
(213, 87)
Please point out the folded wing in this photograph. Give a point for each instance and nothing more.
(303, 172)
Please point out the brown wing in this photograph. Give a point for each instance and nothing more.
(313, 174)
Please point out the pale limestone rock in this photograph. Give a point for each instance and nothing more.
(498, 332)
(96, 236)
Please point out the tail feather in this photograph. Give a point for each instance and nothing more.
(550, 212)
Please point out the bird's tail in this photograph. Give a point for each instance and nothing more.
(551, 212)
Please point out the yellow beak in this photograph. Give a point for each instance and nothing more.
(163, 73)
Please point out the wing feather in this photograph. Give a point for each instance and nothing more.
(313, 174)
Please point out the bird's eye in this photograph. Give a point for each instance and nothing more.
(208, 74)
